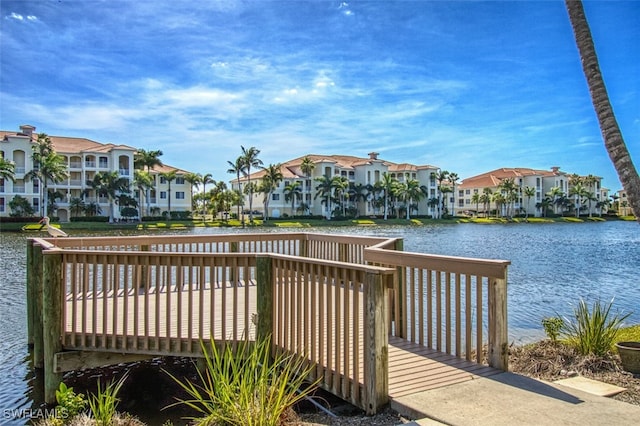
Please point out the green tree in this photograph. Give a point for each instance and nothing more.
(528, 192)
(453, 181)
(20, 207)
(169, 176)
(307, 168)
(475, 199)
(485, 199)
(270, 182)
(206, 180)
(440, 177)
(147, 160)
(194, 179)
(144, 182)
(387, 184)
(292, 192)
(237, 168)
(613, 140)
(324, 191)
(250, 159)
(110, 185)
(48, 166)
(7, 170)
(76, 206)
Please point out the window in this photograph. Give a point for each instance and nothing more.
(461, 193)
(162, 180)
(275, 197)
(468, 191)
(2, 204)
(103, 162)
(180, 180)
(179, 195)
(163, 195)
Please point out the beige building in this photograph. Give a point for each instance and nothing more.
(84, 159)
(362, 172)
(542, 182)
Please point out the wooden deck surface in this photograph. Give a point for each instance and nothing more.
(412, 368)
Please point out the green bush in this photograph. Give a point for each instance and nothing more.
(70, 404)
(245, 386)
(552, 327)
(90, 219)
(592, 332)
(103, 404)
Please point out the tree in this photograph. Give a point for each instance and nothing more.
(324, 190)
(270, 182)
(169, 177)
(144, 182)
(555, 194)
(475, 199)
(48, 166)
(613, 141)
(307, 168)
(206, 179)
(110, 185)
(387, 182)
(7, 170)
(20, 207)
(453, 180)
(485, 199)
(440, 177)
(147, 160)
(292, 192)
(250, 159)
(237, 168)
(76, 206)
(340, 186)
(194, 179)
(528, 192)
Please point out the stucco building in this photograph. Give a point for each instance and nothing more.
(84, 158)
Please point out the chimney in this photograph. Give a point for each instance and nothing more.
(373, 156)
(555, 169)
(27, 130)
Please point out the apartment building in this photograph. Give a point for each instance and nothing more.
(542, 181)
(84, 159)
(361, 171)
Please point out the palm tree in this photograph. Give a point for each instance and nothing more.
(453, 180)
(528, 192)
(510, 192)
(555, 194)
(307, 168)
(578, 191)
(110, 185)
(485, 199)
(249, 160)
(205, 180)
(292, 192)
(194, 179)
(48, 167)
(147, 160)
(324, 190)
(475, 199)
(387, 183)
(440, 177)
(169, 177)
(143, 181)
(500, 200)
(7, 170)
(270, 182)
(340, 186)
(77, 206)
(611, 133)
(237, 168)
(543, 205)
(358, 192)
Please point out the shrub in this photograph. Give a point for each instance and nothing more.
(70, 404)
(103, 404)
(552, 327)
(592, 331)
(245, 386)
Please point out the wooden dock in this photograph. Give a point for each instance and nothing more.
(376, 323)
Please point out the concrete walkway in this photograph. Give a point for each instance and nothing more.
(512, 399)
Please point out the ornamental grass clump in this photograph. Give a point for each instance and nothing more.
(104, 403)
(592, 332)
(244, 385)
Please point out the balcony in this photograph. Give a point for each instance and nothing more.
(124, 172)
(20, 189)
(20, 170)
(1, 188)
(75, 182)
(75, 165)
(90, 164)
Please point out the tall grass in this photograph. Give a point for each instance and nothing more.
(592, 332)
(104, 403)
(245, 386)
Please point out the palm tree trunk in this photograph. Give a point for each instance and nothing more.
(613, 141)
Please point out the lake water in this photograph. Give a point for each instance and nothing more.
(552, 267)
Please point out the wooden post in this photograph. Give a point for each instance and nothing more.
(52, 296)
(304, 246)
(30, 292)
(144, 270)
(264, 294)
(498, 351)
(399, 294)
(37, 277)
(376, 347)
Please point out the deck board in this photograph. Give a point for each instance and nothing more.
(413, 368)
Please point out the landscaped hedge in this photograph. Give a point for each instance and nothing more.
(30, 219)
(90, 219)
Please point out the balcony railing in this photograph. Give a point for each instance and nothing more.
(124, 172)
(19, 189)
(75, 165)
(89, 163)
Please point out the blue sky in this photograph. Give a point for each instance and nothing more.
(467, 86)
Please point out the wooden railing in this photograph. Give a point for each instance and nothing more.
(332, 299)
(451, 304)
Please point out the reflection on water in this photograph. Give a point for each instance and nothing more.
(552, 267)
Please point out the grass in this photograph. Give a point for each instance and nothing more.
(628, 334)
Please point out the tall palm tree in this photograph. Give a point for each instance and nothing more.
(142, 160)
(237, 168)
(292, 192)
(440, 177)
(270, 182)
(528, 192)
(250, 159)
(143, 181)
(387, 183)
(475, 199)
(110, 185)
(453, 180)
(48, 167)
(7, 170)
(307, 166)
(205, 180)
(485, 199)
(613, 141)
(324, 190)
(76, 206)
(340, 187)
(169, 177)
(578, 191)
(194, 179)
(555, 194)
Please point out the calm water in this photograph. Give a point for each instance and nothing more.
(552, 267)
